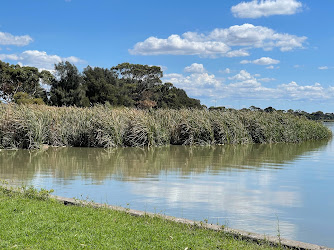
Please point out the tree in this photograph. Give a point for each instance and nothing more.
(254, 108)
(15, 78)
(143, 76)
(102, 85)
(67, 87)
(269, 110)
(24, 98)
(175, 98)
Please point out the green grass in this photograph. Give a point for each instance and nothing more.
(31, 126)
(30, 220)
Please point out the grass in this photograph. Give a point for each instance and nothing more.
(31, 126)
(33, 221)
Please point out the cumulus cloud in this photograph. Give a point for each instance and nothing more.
(241, 76)
(262, 61)
(264, 8)
(195, 68)
(308, 92)
(245, 85)
(219, 42)
(252, 36)
(39, 59)
(175, 45)
(9, 39)
(195, 79)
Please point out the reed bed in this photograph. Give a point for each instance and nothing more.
(31, 126)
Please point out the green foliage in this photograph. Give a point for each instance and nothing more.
(67, 86)
(14, 79)
(129, 85)
(24, 98)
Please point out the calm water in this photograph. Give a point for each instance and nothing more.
(249, 187)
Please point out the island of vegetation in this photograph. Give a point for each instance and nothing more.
(126, 106)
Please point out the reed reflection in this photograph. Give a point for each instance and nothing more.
(130, 164)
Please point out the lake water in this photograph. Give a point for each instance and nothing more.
(257, 188)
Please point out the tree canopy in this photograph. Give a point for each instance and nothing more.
(16, 78)
(130, 85)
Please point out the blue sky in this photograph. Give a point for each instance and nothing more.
(227, 53)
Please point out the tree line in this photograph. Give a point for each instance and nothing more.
(316, 116)
(129, 85)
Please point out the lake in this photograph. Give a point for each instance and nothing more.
(268, 189)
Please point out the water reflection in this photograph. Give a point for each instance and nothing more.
(244, 186)
(128, 164)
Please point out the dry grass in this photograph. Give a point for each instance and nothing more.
(30, 126)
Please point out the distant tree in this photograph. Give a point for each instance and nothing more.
(253, 108)
(67, 87)
(269, 110)
(222, 108)
(15, 78)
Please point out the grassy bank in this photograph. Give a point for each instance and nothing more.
(33, 221)
(24, 126)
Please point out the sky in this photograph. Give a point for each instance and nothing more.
(230, 53)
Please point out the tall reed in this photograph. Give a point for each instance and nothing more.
(30, 126)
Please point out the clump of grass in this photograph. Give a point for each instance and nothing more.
(31, 126)
(192, 128)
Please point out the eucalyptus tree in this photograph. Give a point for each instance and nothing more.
(16, 78)
(67, 87)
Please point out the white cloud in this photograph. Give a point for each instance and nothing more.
(242, 76)
(252, 36)
(175, 45)
(4, 57)
(195, 68)
(272, 67)
(246, 86)
(39, 59)
(9, 39)
(195, 79)
(262, 61)
(324, 67)
(264, 8)
(308, 92)
(219, 42)
(225, 71)
(237, 53)
(195, 84)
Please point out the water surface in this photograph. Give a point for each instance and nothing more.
(285, 188)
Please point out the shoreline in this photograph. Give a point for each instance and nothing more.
(258, 238)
